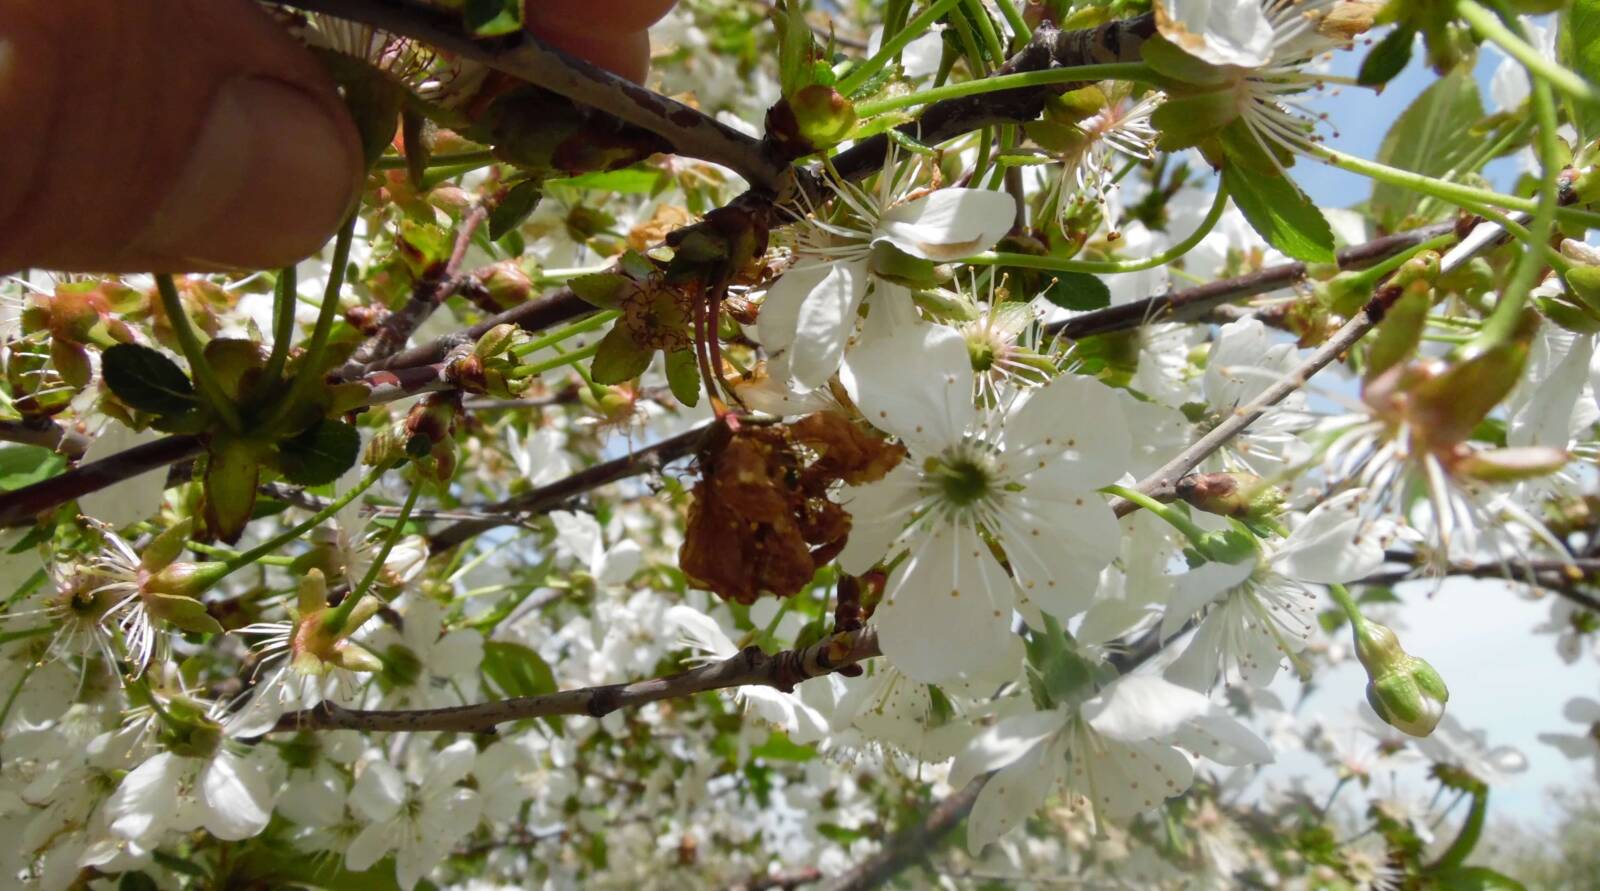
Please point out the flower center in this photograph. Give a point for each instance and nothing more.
(963, 476)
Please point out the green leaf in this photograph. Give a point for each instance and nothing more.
(1428, 138)
(617, 358)
(635, 180)
(779, 747)
(319, 454)
(515, 670)
(1388, 58)
(24, 465)
(602, 289)
(1282, 213)
(1477, 878)
(1078, 290)
(683, 376)
(514, 207)
(146, 380)
(230, 487)
(492, 18)
(1579, 49)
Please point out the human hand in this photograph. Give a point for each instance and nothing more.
(177, 135)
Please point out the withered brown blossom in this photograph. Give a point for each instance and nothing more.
(762, 521)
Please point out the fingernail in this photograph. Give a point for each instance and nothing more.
(272, 173)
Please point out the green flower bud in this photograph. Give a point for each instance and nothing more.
(823, 117)
(496, 341)
(1406, 692)
(1242, 495)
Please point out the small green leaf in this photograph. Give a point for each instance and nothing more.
(617, 358)
(514, 207)
(319, 454)
(146, 380)
(602, 289)
(1429, 137)
(1078, 290)
(1282, 214)
(182, 612)
(1388, 58)
(1476, 878)
(24, 465)
(683, 376)
(493, 18)
(635, 180)
(230, 487)
(779, 747)
(515, 670)
(1579, 49)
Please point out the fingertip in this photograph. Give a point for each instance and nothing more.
(626, 54)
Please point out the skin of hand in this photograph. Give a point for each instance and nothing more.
(192, 135)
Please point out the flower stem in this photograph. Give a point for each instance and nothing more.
(1491, 28)
(1467, 839)
(1136, 71)
(1019, 25)
(557, 362)
(1341, 596)
(1450, 193)
(1108, 267)
(1174, 517)
(341, 613)
(1507, 316)
(858, 76)
(204, 378)
(283, 300)
(241, 560)
(309, 373)
(560, 334)
(449, 159)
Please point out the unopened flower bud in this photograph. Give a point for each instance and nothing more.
(1406, 692)
(496, 341)
(1242, 495)
(506, 283)
(1511, 464)
(823, 116)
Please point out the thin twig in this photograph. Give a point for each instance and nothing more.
(749, 667)
(433, 288)
(47, 433)
(548, 497)
(23, 506)
(914, 844)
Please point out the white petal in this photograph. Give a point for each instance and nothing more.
(368, 847)
(825, 323)
(378, 792)
(449, 766)
(878, 514)
(1196, 668)
(424, 619)
(1222, 32)
(146, 796)
(1224, 740)
(780, 309)
(949, 224)
(1074, 432)
(1329, 545)
(1136, 707)
(1057, 548)
(917, 384)
(947, 612)
(700, 631)
(132, 499)
(1010, 797)
(619, 564)
(456, 654)
(237, 796)
(1125, 778)
(1199, 586)
(1003, 743)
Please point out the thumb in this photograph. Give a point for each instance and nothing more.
(165, 135)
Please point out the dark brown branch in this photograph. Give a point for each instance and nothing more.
(432, 289)
(1560, 577)
(690, 132)
(912, 845)
(549, 497)
(749, 667)
(787, 881)
(1193, 303)
(23, 506)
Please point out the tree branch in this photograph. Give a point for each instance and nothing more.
(548, 497)
(1484, 236)
(1561, 577)
(688, 130)
(1194, 303)
(749, 667)
(47, 433)
(23, 506)
(914, 844)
